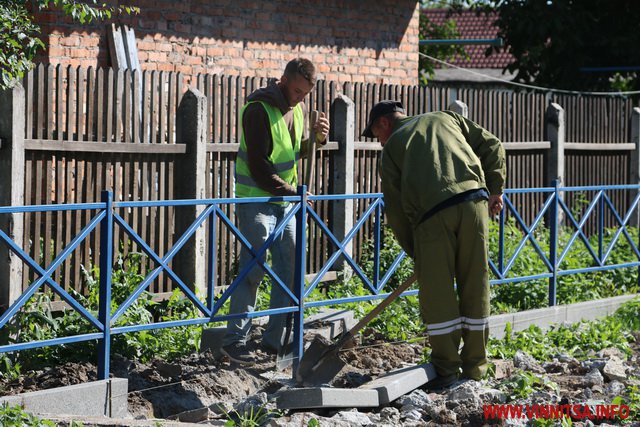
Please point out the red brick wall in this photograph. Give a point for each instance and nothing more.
(348, 40)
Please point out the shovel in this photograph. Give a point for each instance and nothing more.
(285, 356)
(321, 363)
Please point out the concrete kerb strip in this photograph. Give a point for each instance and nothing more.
(400, 382)
(97, 398)
(545, 317)
(329, 323)
(123, 422)
(327, 397)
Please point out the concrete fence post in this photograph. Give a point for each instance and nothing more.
(635, 160)
(460, 108)
(12, 167)
(190, 262)
(555, 128)
(342, 175)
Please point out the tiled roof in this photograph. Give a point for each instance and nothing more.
(470, 25)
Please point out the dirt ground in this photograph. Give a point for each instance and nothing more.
(163, 389)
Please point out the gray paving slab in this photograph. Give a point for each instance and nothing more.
(329, 323)
(545, 317)
(96, 398)
(542, 317)
(590, 310)
(327, 397)
(497, 324)
(336, 322)
(124, 422)
(400, 382)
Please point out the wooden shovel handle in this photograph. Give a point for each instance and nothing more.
(373, 313)
(311, 151)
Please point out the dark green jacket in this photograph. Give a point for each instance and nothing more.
(432, 157)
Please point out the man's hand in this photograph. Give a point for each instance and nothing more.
(495, 205)
(321, 128)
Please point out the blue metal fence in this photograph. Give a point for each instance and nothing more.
(555, 213)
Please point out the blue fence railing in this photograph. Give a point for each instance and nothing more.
(554, 219)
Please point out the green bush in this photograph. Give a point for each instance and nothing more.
(15, 416)
(569, 288)
(36, 321)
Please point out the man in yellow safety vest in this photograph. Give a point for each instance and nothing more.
(273, 133)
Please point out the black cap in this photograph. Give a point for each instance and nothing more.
(382, 108)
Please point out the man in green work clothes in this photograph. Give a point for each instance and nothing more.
(442, 175)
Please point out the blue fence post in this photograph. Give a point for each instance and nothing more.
(600, 229)
(376, 243)
(106, 262)
(213, 255)
(501, 242)
(553, 243)
(300, 271)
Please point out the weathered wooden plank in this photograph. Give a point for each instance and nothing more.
(591, 146)
(29, 191)
(40, 99)
(131, 134)
(117, 51)
(69, 220)
(89, 191)
(77, 180)
(51, 93)
(59, 106)
(131, 49)
(93, 102)
(224, 109)
(38, 199)
(81, 105)
(154, 107)
(29, 99)
(137, 107)
(152, 216)
(161, 223)
(162, 109)
(101, 147)
(127, 125)
(173, 102)
(110, 77)
(117, 113)
(69, 127)
(48, 220)
(215, 110)
(58, 197)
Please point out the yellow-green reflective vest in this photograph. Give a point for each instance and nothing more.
(284, 155)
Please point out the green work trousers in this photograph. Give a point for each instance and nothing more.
(451, 246)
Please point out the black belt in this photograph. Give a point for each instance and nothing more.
(455, 200)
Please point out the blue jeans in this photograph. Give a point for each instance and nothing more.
(256, 222)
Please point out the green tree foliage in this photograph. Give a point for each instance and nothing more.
(19, 41)
(430, 31)
(552, 40)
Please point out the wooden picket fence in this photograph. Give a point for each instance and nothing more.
(87, 130)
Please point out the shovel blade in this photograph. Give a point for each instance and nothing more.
(285, 357)
(320, 363)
